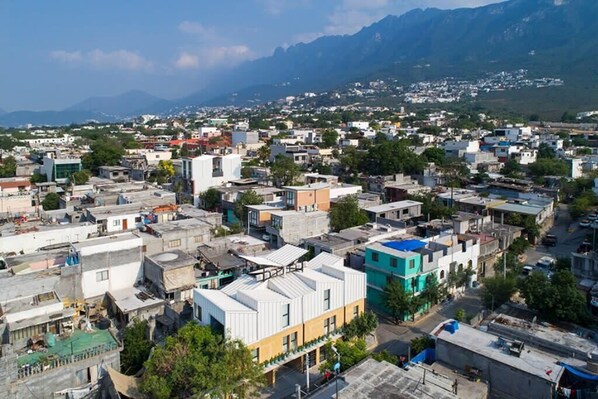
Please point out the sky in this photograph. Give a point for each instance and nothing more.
(57, 53)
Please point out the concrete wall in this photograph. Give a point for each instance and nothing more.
(503, 381)
(31, 242)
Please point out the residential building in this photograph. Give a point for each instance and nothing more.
(294, 151)
(114, 173)
(205, 171)
(184, 235)
(400, 210)
(458, 149)
(291, 227)
(284, 310)
(59, 170)
(511, 369)
(310, 197)
(106, 264)
(117, 218)
(245, 137)
(30, 237)
(171, 275)
(15, 197)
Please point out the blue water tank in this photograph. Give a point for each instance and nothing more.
(50, 340)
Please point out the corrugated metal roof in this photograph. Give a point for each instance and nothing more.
(323, 258)
(223, 301)
(519, 208)
(286, 255)
(318, 276)
(265, 295)
(244, 282)
(290, 285)
(259, 260)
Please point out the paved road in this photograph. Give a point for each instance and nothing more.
(569, 235)
(396, 338)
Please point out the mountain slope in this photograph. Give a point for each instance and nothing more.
(51, 118)
(562, 34)
(127, 104)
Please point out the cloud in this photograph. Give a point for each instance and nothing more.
(277, 7)
(201, 31)
(66, 56)
(209, 57)
(187, 61)
(99, 59)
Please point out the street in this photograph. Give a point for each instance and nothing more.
(569, 235)
(396, 338)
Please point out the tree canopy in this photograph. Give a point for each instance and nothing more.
(197, 362)
(329, 138)
(249, 197)
(51, 202)
(346, 213)
(8, 167)
(497, 290)
(361, 325)
(210, 199)
(284, 170)
(81, 177)
(105, 151)
(136, 347)
(396, 299)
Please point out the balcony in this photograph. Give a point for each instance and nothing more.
(217, 173)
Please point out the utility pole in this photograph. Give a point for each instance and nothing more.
(504, 264)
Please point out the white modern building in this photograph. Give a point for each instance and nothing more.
(285, 309)
(245, 137)
(207, 171)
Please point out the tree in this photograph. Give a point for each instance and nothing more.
(544, 151)
(210, 199)
(196, 362)
(511, 169)
(386, 356)
(390, 157)
(361, 325)
(556, 298)
(38, 178)
(431, 208)
(249, 197)
(396, 299)
(246, 172)
(346, 213)
(105, 151)
(8, 168)
(460, 315)
(51, 202)
(497, 290)
(583, 203)
(419, 344)
(166, 168)
(434, 154)
(432, 292)
(548, 167)
(78, 178)
(284, 171)
(136, 347)
(329, 138)
(519, 246)
(351, 353)
(263, 154)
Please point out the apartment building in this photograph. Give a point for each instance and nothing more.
(284, 310)
(205, 171)
(315, 196)
(59, 170)
(15, 196)
(291, 227)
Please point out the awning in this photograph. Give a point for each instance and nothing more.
(125, 384)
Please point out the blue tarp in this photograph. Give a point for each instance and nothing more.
(579, 373)
(405, 245)
(427, 356)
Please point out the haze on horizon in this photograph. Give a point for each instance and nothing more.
(59, 53)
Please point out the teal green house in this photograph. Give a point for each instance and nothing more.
(394, 260)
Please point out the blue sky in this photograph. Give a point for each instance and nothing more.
(57, 53)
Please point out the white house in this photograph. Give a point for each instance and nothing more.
(107, 263)
(207, 171)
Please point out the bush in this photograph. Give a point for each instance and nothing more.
(421, 343)
(460, 315)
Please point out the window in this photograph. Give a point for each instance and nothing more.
(327, 299)
(198, 312)
(393, 262)
(138, 219)
(255, 355)
(102, 275)
(355, 310)
(290, 198)
(285, 315)
(411, 263)
(329, 325)
(293, 341)
(174, 243)
(375, 256)
(285, 344)
(198, 239)
(441, 274)
(116, 223)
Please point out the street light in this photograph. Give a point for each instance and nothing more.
(337, 367)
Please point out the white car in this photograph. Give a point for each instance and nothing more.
(584, 223)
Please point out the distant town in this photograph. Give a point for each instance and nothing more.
(297, 251)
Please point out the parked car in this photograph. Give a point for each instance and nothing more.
(584, 223)
(550, 240)
(546, 262)
(592, 216)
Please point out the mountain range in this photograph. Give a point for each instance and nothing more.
(556, 38)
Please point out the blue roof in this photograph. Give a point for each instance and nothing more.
(405, 245)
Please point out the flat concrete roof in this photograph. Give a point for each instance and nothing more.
(392, 206)
(131, 298)
(484, 344)
(172, 259)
